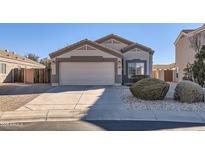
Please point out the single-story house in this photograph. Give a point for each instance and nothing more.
(185, 45)
(111, 60)
(166, 72)
(15, 68)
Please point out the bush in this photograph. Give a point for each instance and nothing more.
(190, 92)
(136, 78)
(186, 78)
(150, 89)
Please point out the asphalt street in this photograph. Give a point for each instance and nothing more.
(100, 125)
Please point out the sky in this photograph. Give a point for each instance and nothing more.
(43, 39)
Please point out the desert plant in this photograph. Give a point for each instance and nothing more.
(190, 92)
(196, 71)
(198, 67)
(188, 74)
(150, 89)
(46, 62)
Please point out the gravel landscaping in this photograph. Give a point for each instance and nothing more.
(168, 104)
(13, 96)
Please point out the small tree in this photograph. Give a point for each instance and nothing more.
(46, 62)
(32, 57)
(196, 71)
(188, 74)
(198, 67)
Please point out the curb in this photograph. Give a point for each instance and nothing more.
(76, 115)
(39, 116)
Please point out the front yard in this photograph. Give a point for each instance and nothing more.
(168, 104)
(90, 103)
(109, 100)
(13, 96)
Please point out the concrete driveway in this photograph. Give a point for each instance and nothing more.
(89, 102)
(69, 103)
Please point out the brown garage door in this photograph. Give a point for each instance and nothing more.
(168, 75)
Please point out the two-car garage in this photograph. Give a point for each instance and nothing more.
(86, 73)
(86, 63)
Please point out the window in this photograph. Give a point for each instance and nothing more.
(2, 68)
(135, 68)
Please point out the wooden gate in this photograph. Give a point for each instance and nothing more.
(19, 75)
(168, 75)
(42, 75)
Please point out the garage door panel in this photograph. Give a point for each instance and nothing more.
(86, 73)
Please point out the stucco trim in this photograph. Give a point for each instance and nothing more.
(86, 59)
(179, 36)
(125, 77)
(85, 42)
(139, 46)
(115, 37)
(197, 30)
(191, 33)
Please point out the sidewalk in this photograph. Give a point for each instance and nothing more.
(75, 115)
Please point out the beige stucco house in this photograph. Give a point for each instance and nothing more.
(184, 52)
(11, 63)
(109, 60)
(165, 72)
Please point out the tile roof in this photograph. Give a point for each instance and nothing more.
(164, 66)
(97, 44)
(83, 42)
(12, 55)
(187, 30)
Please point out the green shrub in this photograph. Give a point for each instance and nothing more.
(190, 92)
(136, 78)
(150, 89)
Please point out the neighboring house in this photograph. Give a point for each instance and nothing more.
(184, 51)
(109, 60)
(11, 65)
(165, 72)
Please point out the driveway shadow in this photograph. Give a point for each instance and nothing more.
(103, 103)
(23, 89)
(134, 125)
(109, 106)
